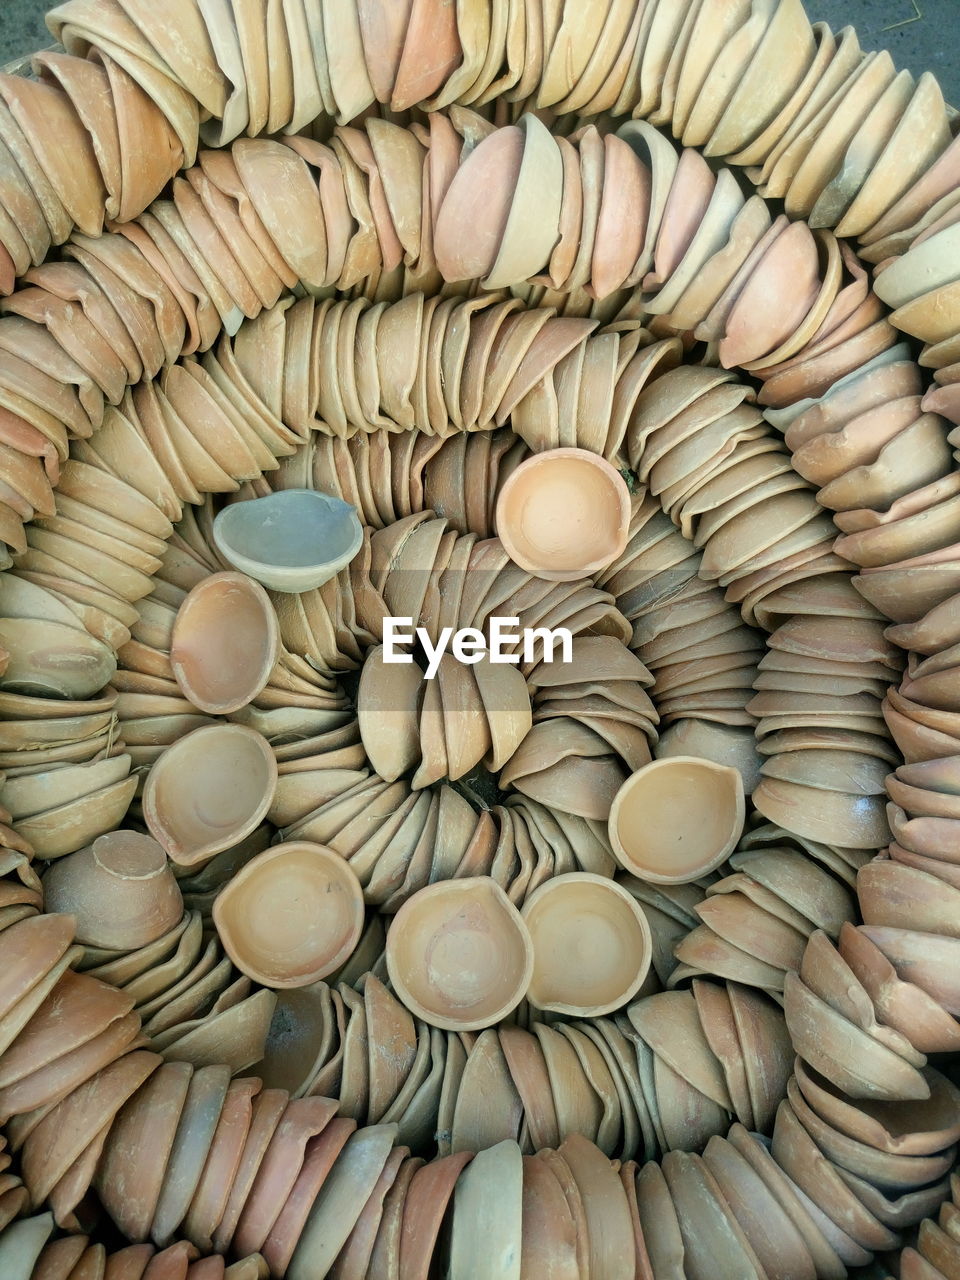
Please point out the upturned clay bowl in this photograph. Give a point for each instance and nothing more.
(677, 819)
(291, 540)
(209, 790)
(563, 514)
(292, 915)
(225, 643)
(591, 945)
(120, 888)
(459, 954)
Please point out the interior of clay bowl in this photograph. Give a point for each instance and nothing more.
(563, 514)
(591, 945)
(292, 916)
(209, 793)
(295, 529)
(224, 643)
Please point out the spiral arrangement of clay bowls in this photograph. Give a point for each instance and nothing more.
(633, 321)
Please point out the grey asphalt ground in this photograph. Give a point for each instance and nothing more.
(922, 35)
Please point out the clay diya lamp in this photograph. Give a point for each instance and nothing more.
(53, 660)
(459, 954)
(225, 643)
(120, 889)
(209, 791)
(341, 1201)
(677, 819)
(315, 898)
(563, 514)
(487, 1207)
(388, 706)
(291, 540)
(591, 945)
(493, 167)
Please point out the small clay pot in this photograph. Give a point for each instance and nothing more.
(53, 660)
(209, 791)
(120, 888)
(225, 643)
(291, 540)
(677, 819)
(591, 945)
(564, 514)
(459, 954)
(292, 915)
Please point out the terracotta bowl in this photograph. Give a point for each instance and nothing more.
(591, 945)
(563, 514)
(291, 540)
(677, 819)
(292, 915)
(209, 790)
(120, 888)
(225, 643)
(459, 954)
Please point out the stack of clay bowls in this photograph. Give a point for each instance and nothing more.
(821, 726)
(157, 361)
(923, 817)
(921, 713)
(917, 286)
(936, 1253)
(421, 570)
(834, 1028)
(843, 863)
(658, 569)
(130, 920)
(615, 1080)
(444, 725)
(585, 400)
(669, 911)
(689, 431)
(399, 838)
(593, 724)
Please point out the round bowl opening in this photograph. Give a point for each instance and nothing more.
(676, 819)
(209, 790)
(459, 954)
(564, 513)
(292, 528)
(591, 945)
(293, 915)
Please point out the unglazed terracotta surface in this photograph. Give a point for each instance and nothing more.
(468, 249)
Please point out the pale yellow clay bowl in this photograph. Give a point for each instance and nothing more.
(564, 514)
(591, 945)
(209, 790)
(675, 820)
(459, 954)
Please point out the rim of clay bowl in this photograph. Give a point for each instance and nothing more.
(332, 870)
(254, 677)
(523, 553)
(571, 886)
(221, 838)
(639, 781)
(298, 572)
(404, 924)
